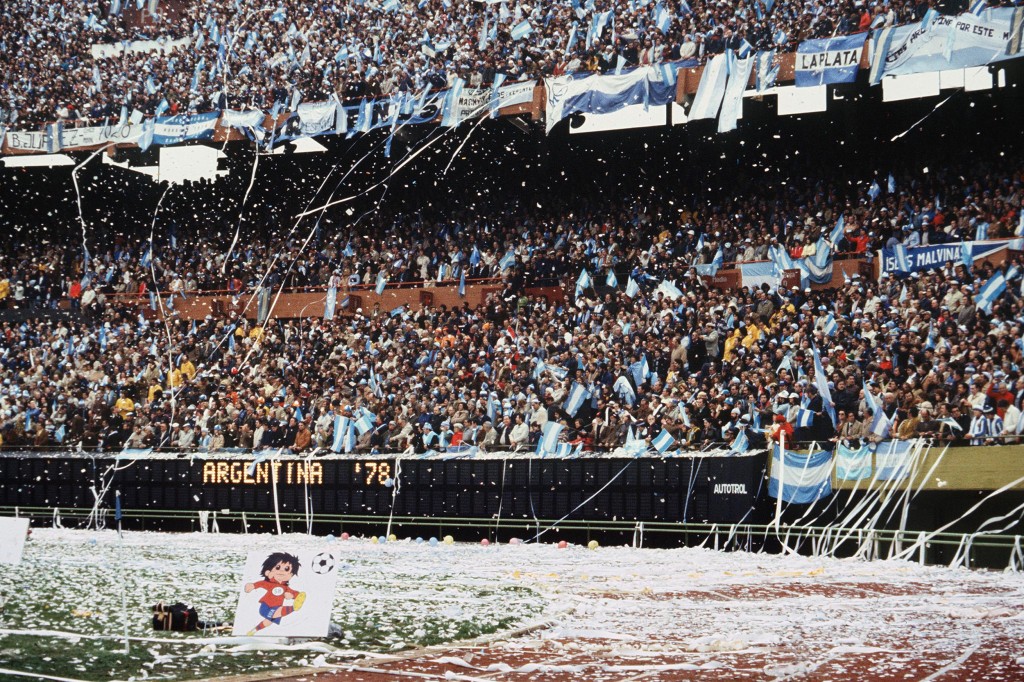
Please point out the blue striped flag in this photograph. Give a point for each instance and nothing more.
(521, 30)
(902, 260)
(632, 288)
(992, 290)
(977, 7)
(611, 280)
(740, 443)
(548, 443)
(382, 282)
(507, 261)
(462, 283)
(821, 381)
(800, 479)
(363, 424)
(578, 394)
(340, 429)
(831, 326)
(804, 418)
(583, 282)
(663, 441)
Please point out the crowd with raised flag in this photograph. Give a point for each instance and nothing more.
(72, 60)
(641, 354)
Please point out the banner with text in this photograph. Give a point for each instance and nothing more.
(946, 42)
(830, 60)
(922, 258)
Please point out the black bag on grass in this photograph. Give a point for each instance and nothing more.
(177, 617)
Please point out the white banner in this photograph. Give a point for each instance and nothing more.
(112, 50)
(949, 43)
(27, 141)
(316, 118)
(74, 138)
(519, 93)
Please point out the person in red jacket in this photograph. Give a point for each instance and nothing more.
(75, 294)
(779, 428)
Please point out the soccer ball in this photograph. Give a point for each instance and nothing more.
(323, 563)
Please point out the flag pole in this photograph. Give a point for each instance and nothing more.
(782, 468)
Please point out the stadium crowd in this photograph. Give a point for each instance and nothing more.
(703, 364)
(248, 54)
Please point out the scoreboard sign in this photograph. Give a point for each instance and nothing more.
(709, 489)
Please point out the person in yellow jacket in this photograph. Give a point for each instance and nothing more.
(124, 405)
(176, 378)
(188, 369)
(731, 342)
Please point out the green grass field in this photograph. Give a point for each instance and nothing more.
(388, 598)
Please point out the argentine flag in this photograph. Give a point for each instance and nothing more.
(611, 280)
(521, 30)
(992, 290)
(382, 282)
(663, 441)
(632, 288)
(340, 429)
(548, 443)
(508, 261)
(800, 479)
(577, 396)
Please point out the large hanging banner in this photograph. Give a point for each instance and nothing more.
(945, 42)
(568, 95)
(184, 127)
(901, 261)
(830, 60)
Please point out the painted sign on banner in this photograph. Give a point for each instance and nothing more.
(27, 141)
(76, 138)
(183, 127)
(519, 93)
(921, 258)
(830, 60)
(947, 43)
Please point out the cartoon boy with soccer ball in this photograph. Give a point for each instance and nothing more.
(278, 569)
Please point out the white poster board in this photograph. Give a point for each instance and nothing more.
(287, 594)
(13, 533)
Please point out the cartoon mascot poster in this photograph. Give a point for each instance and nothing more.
(286, 594)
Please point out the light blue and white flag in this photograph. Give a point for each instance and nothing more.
(894, 459)
(382, 282)
(363, 424)
(632, 288)
(804, 418)
(853, 465)
(711, 90)
(583, 282)
(991, 291)
(521, 30)
(741, 443)
(831, 326)
(341, 427)
(625, 390)
(767, 70)
(548, 443)
(611, 280)
(578, 394)
(874, 190)
(663, 441)
(507, 261)
(800, 479)
(332, 302)
(821, 381)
